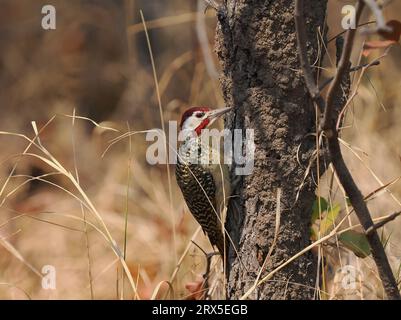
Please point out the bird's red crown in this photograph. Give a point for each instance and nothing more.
(190, 111)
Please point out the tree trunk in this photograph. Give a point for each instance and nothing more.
(256, 45)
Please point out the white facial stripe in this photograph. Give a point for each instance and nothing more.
(192, 122)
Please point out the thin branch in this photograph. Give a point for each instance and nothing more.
(303, 55)
(342, 32)
(343, 65)
(331, 134)
(212, 4)
(377, 12)
(208, 256)
(382, 223)
(351, 98)
(353, 69)
(345, 177)
(362, 212)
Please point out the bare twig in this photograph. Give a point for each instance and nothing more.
(303, 55)
(382, 223)
(331, 134)
(212, 4)
(208, 256)
(377, 12)
(342, 32)
(351, 98)
(353, 69)
(343, 64)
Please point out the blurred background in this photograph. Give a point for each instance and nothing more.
(96, 65)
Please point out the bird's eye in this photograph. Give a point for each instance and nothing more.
(199, 115)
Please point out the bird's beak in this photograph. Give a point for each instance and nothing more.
(214, 114)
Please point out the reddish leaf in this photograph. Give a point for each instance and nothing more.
(395, 32)
(195, 289)
(369, 46)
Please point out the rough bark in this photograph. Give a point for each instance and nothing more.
(256, 45)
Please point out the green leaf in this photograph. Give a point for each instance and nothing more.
(328, 222)
(356, 242)
(315, 208)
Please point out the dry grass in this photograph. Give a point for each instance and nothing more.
(76, 191)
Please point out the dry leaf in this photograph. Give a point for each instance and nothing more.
(395, 32)
(369, 46)
(195, 289)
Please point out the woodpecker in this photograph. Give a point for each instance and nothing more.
(204, 181)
